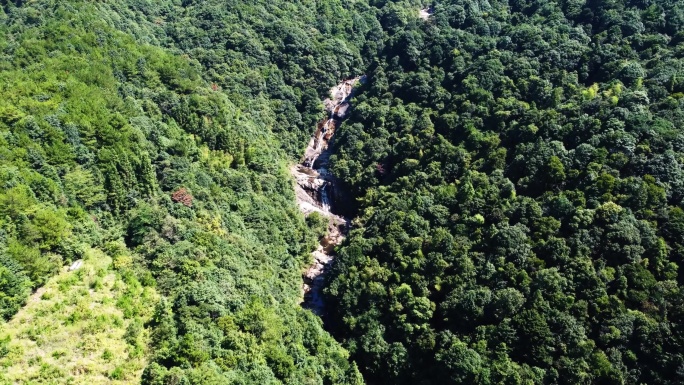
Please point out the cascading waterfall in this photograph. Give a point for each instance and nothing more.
(315, 192)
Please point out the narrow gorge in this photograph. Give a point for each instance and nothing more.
(315, 192)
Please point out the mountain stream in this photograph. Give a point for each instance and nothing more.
(315, 191)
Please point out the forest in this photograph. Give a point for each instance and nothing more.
(514, 167)
(159, 134)
(518, 172)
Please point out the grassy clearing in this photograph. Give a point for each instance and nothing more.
(82, 327)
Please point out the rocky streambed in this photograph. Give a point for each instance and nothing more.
(315, 191)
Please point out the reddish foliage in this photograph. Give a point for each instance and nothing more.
(182, 196)
(381, 169)
(214, 86)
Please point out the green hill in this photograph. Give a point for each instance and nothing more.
(514, 169)
(82, 327)
(518, 168)
(144, 130)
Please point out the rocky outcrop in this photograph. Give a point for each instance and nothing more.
(425, 13)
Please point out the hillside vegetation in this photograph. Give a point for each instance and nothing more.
(81, 327)
(518, 168)
(515, 167)
(161, 137)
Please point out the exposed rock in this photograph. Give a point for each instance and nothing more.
(425, 13)
(76, 265)
(341, 110)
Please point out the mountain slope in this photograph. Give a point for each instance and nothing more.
(518, 172)
(124, 140)
(83, 326)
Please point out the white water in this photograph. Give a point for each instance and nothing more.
(315, 193)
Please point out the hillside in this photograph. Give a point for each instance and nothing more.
(518, 172)
(508, 182)
(84, 326)
(133, 128)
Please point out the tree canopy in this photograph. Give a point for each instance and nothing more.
(515, 169)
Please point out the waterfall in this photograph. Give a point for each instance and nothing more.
(315, 191)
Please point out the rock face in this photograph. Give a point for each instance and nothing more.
(425, 13)
(341, 111)
(76, 265)
(314, 190)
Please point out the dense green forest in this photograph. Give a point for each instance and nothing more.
(160, 133)
(518, 172)
(516, 168)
